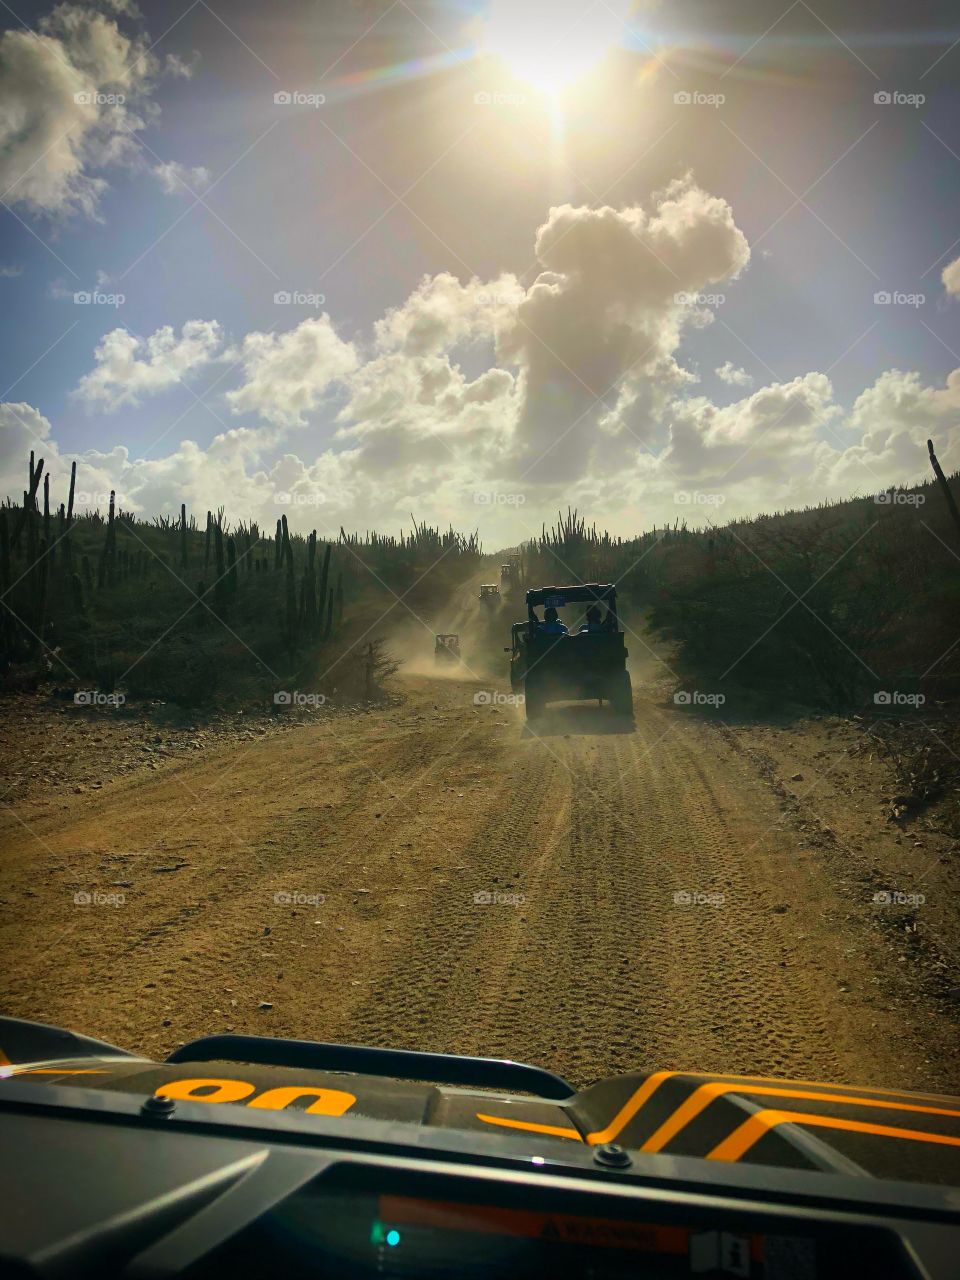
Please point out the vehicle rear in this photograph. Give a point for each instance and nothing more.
(586, 665)
(446, 650)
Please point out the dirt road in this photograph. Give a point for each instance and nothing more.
(432, 875)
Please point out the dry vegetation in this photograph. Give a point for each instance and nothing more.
(823, 607)
(190, 613)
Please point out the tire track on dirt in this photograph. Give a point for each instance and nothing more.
(444, 990)
(399, 817)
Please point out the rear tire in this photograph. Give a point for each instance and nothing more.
(533, 701)
(621, 696)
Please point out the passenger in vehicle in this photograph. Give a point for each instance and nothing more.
(551, 624)
(593, 622)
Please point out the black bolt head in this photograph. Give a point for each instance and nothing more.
(158, 1106)
(612, 1156)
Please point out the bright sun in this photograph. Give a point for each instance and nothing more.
(552, 43)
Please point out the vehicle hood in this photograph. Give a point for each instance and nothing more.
(795, 1124)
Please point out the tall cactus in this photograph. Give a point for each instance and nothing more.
(231, 567)
(29, 502)
(286, 551)
(291, 610)
(183, 535)
(310, 618)
(324, 576)
(67, 547)
(220, 587)
(31, 536)
(111, 545)
(41, 592)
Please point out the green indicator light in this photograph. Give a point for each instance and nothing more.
(376, 1233)
(393, 1238)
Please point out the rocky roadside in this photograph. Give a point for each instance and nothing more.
(857, 794)
(50, 747)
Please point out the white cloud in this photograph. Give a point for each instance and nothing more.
(734, 377)
(285, 375)
(409, 423)
(179, 179)
(607, 313)
(441, 313)
(421, 416)
(762, 437)
(129, 368)
(789, 444)
(182, 68)
(66, 107)
(11, 271)
(892, 421)
(951, 278)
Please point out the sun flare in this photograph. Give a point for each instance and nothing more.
(552, 43)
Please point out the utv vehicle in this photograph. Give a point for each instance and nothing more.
(446, 649)
(490, 595)
(547, 666)
(510, 575)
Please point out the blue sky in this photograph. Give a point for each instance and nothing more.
(802, 198)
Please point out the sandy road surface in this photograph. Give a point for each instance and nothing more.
(582, 959)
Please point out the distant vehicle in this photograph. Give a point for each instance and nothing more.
(547, 666)
(446, 648)
(510, 575)
(490, 595)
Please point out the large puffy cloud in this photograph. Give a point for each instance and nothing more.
(460, 388)
(442, 313)
(761, 436)
(424, 414)
(286, 375)
(892, 422)
(23, 429)
(229, 471)
(607, 313)
(129, 368)
(788, 444)
(72, 97)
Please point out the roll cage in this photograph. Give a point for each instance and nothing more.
(586, 593)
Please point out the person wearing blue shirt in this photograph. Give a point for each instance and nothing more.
(551, 624)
